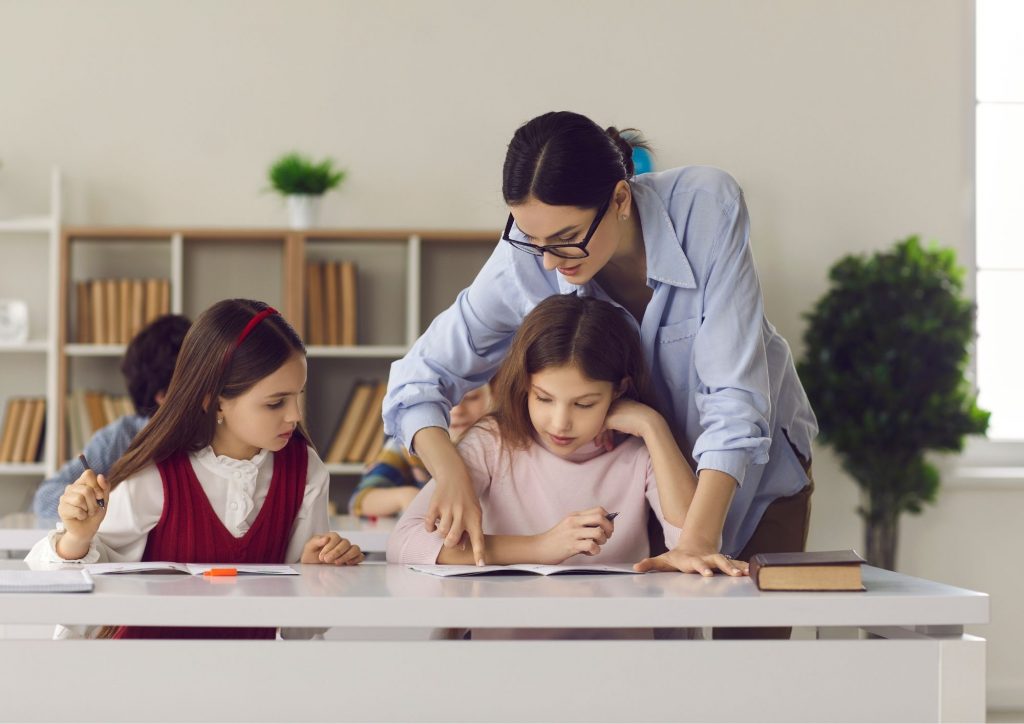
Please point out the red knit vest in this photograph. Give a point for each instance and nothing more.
(189, 531)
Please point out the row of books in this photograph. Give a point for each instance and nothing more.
(24, 421)
(360, 434)
(89, 411)
(331, 303)
(112, 311)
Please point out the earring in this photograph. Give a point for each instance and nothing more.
(623, 217)
(220, 420)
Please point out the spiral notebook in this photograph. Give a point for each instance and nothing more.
(73, 581)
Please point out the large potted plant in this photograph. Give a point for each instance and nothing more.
(303, 182)
(886, 350)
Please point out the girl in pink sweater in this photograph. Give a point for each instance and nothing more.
(547, 486)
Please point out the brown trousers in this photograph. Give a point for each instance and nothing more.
(783, 529)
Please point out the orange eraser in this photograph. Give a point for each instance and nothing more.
(221, 572)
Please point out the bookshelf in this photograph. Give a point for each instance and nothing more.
(29, 246)
(404, 278)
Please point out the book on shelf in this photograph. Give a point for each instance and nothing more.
(349, 333)
(810, 571)
(88, 411)
(314, 308)
(112, 311)
(368, 427)
(23, 425)
(331, 301)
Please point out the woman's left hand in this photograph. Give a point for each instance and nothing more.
(631, 417)
(332, 549)
(694, 557)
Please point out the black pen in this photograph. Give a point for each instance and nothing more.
(99, 501)
(610, 516)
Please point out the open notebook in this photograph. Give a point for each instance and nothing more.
(193, 569)
(63, 581)
(447, 571)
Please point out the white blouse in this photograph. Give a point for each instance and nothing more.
(236, 490)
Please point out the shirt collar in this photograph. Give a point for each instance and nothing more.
(666, 261)
(225, 467)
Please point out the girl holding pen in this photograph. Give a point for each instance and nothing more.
(575, 371)
(223, 472)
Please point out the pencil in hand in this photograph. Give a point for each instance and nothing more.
(99, 501)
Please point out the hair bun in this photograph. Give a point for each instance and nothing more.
(625, 149)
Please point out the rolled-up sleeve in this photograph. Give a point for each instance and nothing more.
(733, 397)
(461, 348)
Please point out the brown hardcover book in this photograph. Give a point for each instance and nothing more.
(99, 311)
(152, 299)
(314, 304)
(811, 571)
(11, 421)
(331, 301)
(355, 411)
(138, 305)
(113, 321)
(35, 434)
(368, 425)
(124, 308)
(109, 412)
(349, 313)
(21, 433)
(94, 405)
(83, 324)
(84, 418)
(165, 297)
(376, 443)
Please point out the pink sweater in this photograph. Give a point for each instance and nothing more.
(538, 490)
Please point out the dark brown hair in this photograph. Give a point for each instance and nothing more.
(187, 419)
(566, 329)
(565, 159)
(149, 360)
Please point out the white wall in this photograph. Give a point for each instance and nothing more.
(849, 124)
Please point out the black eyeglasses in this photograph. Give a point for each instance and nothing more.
(565, 251)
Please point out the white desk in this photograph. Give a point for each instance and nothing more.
(924, 669)
(20, 531)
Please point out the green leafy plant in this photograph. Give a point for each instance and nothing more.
(294, 173)
(886, 351)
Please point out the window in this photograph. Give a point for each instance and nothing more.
(999, 185)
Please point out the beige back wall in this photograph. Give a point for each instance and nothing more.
(849, 124)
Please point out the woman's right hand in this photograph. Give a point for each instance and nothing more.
(582, 532)
(454, 511)
(81, 514)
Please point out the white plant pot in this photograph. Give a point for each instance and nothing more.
(303, 210)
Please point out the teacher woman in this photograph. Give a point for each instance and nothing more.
(672, 250)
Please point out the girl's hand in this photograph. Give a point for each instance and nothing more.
(694, 557)
(631, 417)
(582, 532)
(332, 549)
(81, 514)
(454, 512)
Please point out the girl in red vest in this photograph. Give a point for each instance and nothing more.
(223, 472)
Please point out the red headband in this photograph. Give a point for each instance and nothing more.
(256, 319)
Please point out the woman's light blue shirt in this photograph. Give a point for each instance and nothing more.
(724, 377)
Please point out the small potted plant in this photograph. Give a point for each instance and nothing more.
(302, 182)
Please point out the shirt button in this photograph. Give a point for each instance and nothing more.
(234, 506)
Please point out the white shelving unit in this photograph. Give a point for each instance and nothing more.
(23, 242)
(405, 278)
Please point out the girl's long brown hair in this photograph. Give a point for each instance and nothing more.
(567, 329)
(187, 419)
